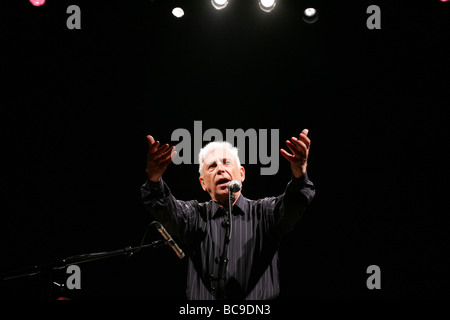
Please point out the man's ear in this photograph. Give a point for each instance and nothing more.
(202, 182)
(242, 173)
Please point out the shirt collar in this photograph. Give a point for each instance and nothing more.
(239, 208)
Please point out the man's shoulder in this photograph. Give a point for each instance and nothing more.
(204, 205)
(260, 201)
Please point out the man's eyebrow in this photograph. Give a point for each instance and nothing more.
(211, 162)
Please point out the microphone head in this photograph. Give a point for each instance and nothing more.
(234, 186)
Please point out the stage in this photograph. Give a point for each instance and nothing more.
(77, 105)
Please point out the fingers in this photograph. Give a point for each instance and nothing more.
(304, 137)
(162, 149)
(289, 157)
(299, 147)
(168, 158)
(291, 147)
(152, 144)
(302, 143)
(159, 155)
(155, 148)
(165, 158)
(158, 158)
(162, 153)
(150, 139)
(167, 153)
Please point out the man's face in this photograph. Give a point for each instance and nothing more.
(219, 168)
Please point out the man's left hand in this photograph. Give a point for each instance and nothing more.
(300, 151)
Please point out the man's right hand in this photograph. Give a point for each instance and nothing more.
(158, 158)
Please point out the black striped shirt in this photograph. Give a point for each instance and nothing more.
(257, 227)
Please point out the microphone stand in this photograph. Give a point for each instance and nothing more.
(223, 262)
(60, 264)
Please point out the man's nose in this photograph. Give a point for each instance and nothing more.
(220, 167)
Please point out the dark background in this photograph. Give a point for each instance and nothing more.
(77, 104)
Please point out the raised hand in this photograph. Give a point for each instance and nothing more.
(300, 151)
(158, 158)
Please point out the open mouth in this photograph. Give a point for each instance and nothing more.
(223, 182)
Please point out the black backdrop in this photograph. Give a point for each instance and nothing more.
(77, 105)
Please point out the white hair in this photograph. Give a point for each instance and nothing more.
(206, 150)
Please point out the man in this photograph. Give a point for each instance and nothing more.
(257, 225)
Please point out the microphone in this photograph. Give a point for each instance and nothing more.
(169, 240)
(234, 186)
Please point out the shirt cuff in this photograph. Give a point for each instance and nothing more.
(299, 182)
(155, 186)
